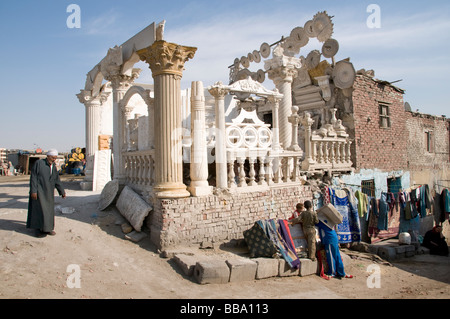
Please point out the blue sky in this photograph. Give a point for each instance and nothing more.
(44, 63)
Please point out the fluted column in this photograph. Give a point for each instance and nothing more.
(199, 161)
(282, 70)
(275, 122)
(218, 90)
(166, 62)
(92, 105)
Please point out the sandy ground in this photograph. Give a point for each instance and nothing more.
(111, 266)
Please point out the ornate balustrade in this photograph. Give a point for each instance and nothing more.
(140, 169)
(252, 168)
(331, 153)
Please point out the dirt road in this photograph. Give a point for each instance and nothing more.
(88, 243)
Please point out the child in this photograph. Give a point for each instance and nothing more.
(308, 219)
(299, 209)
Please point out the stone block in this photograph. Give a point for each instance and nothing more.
(400, 250)
(267, 267)
(423, 250)
(211, 272)
(126, 228)
(284, 270)
(186, 263)
(135, 236)
(373, 249)
(307, 267)
(387, 253)
(410, 251)
(241, 269)
(133, 207)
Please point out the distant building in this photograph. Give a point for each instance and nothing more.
(3, 156)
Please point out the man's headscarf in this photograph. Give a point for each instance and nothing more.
(52, 152)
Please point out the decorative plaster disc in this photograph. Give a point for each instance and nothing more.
(256, 56)
(109, 193)
(313, 59)
(330, 48)
(325, 34)
(290, 47)
(250, 57)
(309, 30)
(243, 74)
(322, 26)
(344, 74)
(245, 62)
(299, 36)
(260, 76)
(265, 50)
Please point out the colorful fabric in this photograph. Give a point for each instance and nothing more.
(272, 231)
(288, 243)
(258, 243)
(350, 229)
(362, 203)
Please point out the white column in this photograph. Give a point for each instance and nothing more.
(199, 162)
(282, 70)
(166, 62)
(120, 83)
(218, 90)
(92, 116)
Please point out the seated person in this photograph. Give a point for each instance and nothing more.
(434, 240)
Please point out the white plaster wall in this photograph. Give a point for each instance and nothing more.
(380, 178)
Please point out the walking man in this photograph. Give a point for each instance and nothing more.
(43, 181)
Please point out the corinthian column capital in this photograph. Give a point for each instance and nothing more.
(166, 58)
(85, 97)
(282, 68)
(218, 90)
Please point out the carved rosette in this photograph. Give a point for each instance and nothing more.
(166, 58)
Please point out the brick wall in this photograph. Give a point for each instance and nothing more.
(374, 146)
(417, 124)
(222, 218)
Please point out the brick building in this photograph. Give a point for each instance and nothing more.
(393, 147)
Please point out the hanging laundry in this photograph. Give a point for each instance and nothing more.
(445, 197)
(392, 202)
(326, 195)
(439, 214)
(414, 198)
(349, 230)
(422, 201)
(373, 217)
(383, 209)
(363, 200)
